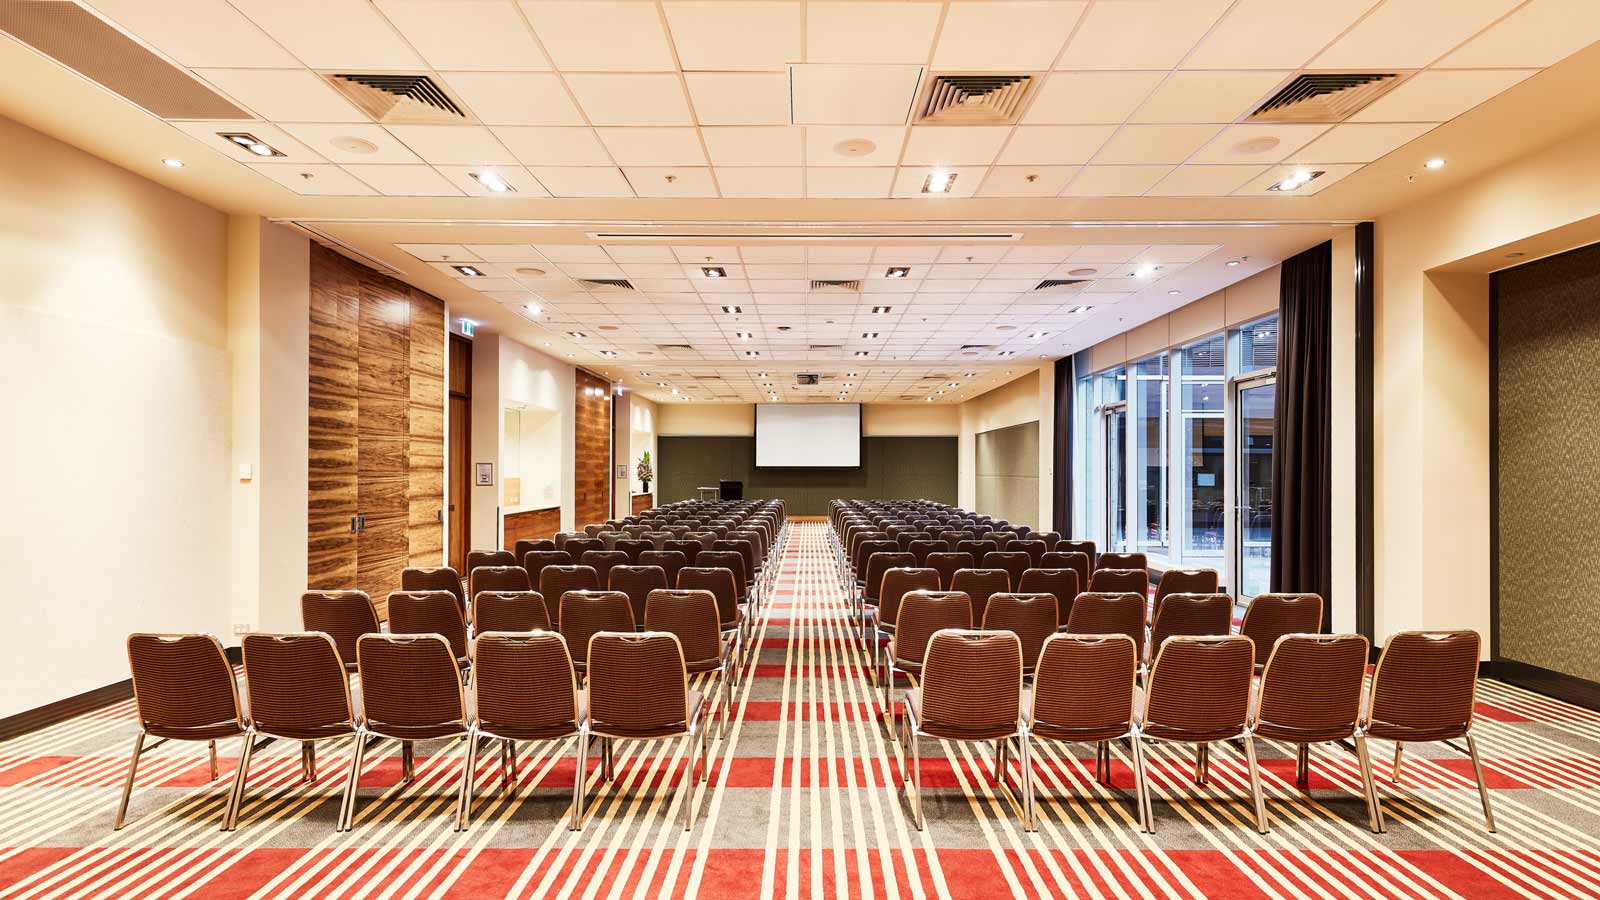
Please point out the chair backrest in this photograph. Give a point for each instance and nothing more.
(602, 561)
(343, 615)
(897, 582)
(297, 685)
(1077, 562)
(921, 547)
(633, 547)
(435, 578)
(476, 558)
(563, 536)
(525, 685)
(669, 561)
(1271, 616)
(636, 530)
(183, 686)
(1050, 538)
(864, 551)
(1061, 584)
(693, 617)
(1083, 687)
(1311, 687)
(951, 538)
(719, 580)
(1190, 614)
(410, 686)
(1122, 561)
(1036, 549)
(557, 580)
(534, 562)
(1001, 539)
(689, 549)
(498, 578)
(578, 546)
(980, 585)
(587, 613)
(637, 582)
(731, 560)
(524, 546)
(608, 539)
(1187, 581)
(1015, 562)
(706, 538)
(879, 563)
(977, 547)
(1087, 548)
(509, 611)
(426, 612)
(638, 685)
(1103, 613)
(745, 547)
(1031, 617)
(593, 529)
(921, 614)
(947, 564)
(971, 684)
(1119, 581)
(1199, 688)
(1425, 685)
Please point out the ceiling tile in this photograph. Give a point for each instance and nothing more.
(910, 180)
(653, 146)
(1090, 98)
(206, 132)
(1054, 144)
(652, 254)
(1540, 34)
(954, 145)
(1271, 34)
(666, 181)
(1005, 35)
(208, 33)
(1026, 181)
(404, 181)
(775, 254)
(535, 146)
(1330, 175)
(1115, 181)
(734, 34)
(521, 181)
(849, 182)
(466, 34)
(582, 181)
(1154, 144)
(853, 95)
(1038, 253)
(601, 34)
(519, 253)
(1204, 181)
(629, 99)
(1439, 95)
(515, 98)
(972, 253)
(822, 141)
(459, 145)
(1254, 144)
(848, 31)
(441, 252)
(284, 95)
(739, 98)
(781, 146)
(1360, 142)
(761, 181)
(348, 35)
(386, 148)
(1208, 96)
(1409, 34)
(1165, 30)
(325, 180)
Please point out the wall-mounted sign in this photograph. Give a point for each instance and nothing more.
(486, 474)
(622, 472)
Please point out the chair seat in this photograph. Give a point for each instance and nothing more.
(913, 700)
(694, 708)
(1392, 732)
(711, 665)
(526, 732)
(1059, 733)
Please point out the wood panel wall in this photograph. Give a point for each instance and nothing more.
(592, 438)
(331, 482)
(642, 502)
(459, 453)
(531, 524)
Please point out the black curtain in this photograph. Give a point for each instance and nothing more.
(1302, 484)
(1061, 477)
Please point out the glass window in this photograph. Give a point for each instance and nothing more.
(1150, 394)
(1256, 417)
(1255, 346)
(1203, 383)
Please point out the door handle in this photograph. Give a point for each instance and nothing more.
(353, 524)
(361, 522)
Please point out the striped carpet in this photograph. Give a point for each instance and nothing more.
(803, 801)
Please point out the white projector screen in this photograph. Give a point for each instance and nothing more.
(808, 435)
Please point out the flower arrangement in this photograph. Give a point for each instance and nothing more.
(643, 471)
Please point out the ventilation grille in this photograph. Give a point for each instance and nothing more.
(806, 378)
(818, 348)
(973, 99)
(399, 98)
(1059, 285)
(85, 43)
(608, 284)
(1325, 96)
(977, 346)
(673, 348)
(837, 287)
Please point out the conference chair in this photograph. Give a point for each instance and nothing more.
(1061, 584)
(877, 564)
(951, 539)
(1132, 581)
(509, 611)
(563, 536)
(183, 690)
(593, 530)
(585, 614)
(1013, 562)
(689, 549)
(525, 546)
(1031, 617)
(343, 615)
(921, 614)
(1187, 581)
(435, 578)
(947, 564)
(921, 547)
(602, 561)
(1035, 549)
(1095, 613)
(693, 618)
(534, 562)
(1077, 562)
(476, 558)
(977, 548)
(426, 612)
(1121, 561)
(578, 546)
(637, 582)
(668, 561)
(608, 539)
(297, 691)
(498, 578)
(557, 580)
(1050, 538)
(1271, 616)
(720, 582)
(1087, 548)
(633, 547)
(896, 583)
(980, 585)
(1193, 615)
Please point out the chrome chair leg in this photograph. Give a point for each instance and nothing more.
(127, 784)
(1141, 786)
(1394, 772)
(308, 761)
(408, 762)
(211, 755)
(348, 813)
(1026, 758)
(469, 769)
(1202, 763)
(580, 778)
(1483, 789)
(1369, 786)
(230, 818)
(1255, 783)
(1302, 765)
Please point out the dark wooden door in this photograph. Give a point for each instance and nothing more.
(331, 477)
(460, 450)
(592, 436)
(425, 431)
(383, 481)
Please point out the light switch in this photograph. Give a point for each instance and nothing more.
(246, 471)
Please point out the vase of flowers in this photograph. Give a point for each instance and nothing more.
(643, 471)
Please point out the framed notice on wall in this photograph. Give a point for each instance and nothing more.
(485, 474)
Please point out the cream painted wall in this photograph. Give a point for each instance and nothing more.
(706, 418)
(505, 371)
(114, 349)
(1013, 403)
(643, 426)
(910, 420)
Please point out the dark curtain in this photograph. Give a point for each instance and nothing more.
(1061, 478)
(1302, 485)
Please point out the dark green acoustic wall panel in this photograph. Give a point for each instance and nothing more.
(1007, 469)
(892, 467)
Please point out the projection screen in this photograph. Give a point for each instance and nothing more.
(808, 435)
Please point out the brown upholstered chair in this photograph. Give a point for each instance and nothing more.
(183, 690)
(557, 580)
(669, 561)
(689, 549)
(510, 611)
(1192, 615)
(1050, 538)
(425, 612)
(563, 536)
(921, 614)
(526, 691)
(1120, 581)
(1187, 581)
(971, 690)
(1014, 562)
(578, 546)
(639, 690)
(980, 585)
(342, 615)
(410, 691)
(497, 578)
(534, 561)
(1425, 689)
(1310, 693)
(921, 547)
(587, 613)
(1084, 692)
(608, 539)
(1077, 562)
(1271, 616)
(1199, 693)
(593, 529)
(1061, 584)
(1097, 613)
(1122, 561)
(637, 582)
(1087, 548)
(896, 583)
(707, 646)
(951, 538)
(523, 547)
(298, 691)
(1036, 549)
(877, 564)
(947, 564)
(436, 578)
(978, 548)
(633, 547)
(1031, 617)
(602, 561)
(476, 558)
(720, 581)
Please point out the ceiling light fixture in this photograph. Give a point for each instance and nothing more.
(1232, 263)
(1146, 270)
(576, 335)
(1295, 181)
(532, 309)
(743, 335)
(469, 271)
(492, 181)
(250, 143)
(733, 310)
(898, 272)
(1038, 335)
(869, 335)
(862, 353)
(1172, 293)
(882, 310)
(171, 163)
(609, 354)
(530, 271)
(938, 183)
(714, 271)
(1078, 310)
(851, 374)
(1435, 163)
(674, 390)
(1007, 353)
(644, 374)
(752, 353)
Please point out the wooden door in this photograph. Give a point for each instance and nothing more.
(459, 454)
(331, 477)
(383, 435)
(425, 430)
(592, 436)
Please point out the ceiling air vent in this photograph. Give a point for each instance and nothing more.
(87, 44)
(977, 346)
(607, 284)
(837, 287)
(1059, 285)
(992, 99)
(807, 378)
(398, 98)
(1325, 96)
(673, 348)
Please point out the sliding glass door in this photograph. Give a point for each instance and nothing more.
(1114, 429)
(1254, 405)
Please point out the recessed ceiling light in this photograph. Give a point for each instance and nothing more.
(869, 335)
(854, 147)
(969, 374)
(1007, 353)
(1146, 270)
(752, 353)
(530, 271)
(491, 180)
(1172, 293)
(953, 384)
(1038, 335)
(661, 384)
(576, 335)
(743, 335)
(938, 183)
(469, 271)
(532, 309)
(898, 272)
(250, 143)
(352, 144)
(674, 390)
(714, 271)
(862, 353)
(644, 374)
(609, 354)
(1232, 263)
(1079, 310)
(171, 163)
(1435, 163)
(882, 310)
(1295, 181)
(733, 310)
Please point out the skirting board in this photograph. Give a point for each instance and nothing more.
(71, 707)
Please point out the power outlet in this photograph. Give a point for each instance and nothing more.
(243, 628)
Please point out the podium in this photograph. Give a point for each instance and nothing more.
(731, 490)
